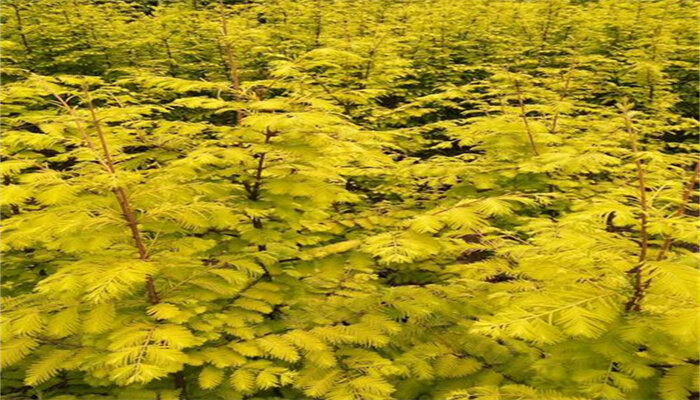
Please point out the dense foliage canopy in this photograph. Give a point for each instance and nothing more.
(350, 199)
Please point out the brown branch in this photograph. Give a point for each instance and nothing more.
(231, 61)
(254, 189)
(20, 28)
(108, 164)
(524, 117)
(325, 88)
(666, 246)
(79, 126)
(169, 53)
(122, 199)
(563, 95)
(635, 303)
(318, 19)
(370, 58)
(180, 384)
(681, 209)
(548, 23)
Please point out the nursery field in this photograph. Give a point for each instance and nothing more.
(350, 200)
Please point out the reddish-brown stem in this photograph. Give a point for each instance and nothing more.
(681, 209)
(524, 118)
(370, 59)
(180, 384)
(635, 304)
(325, 88)
(171, 59)
(567, 84)
(81, 129)
(666, 246)
(122, 199)
(548, 23)
(20, 28)
(231, 62)
(254, 190)
(100, 133)
(318, 19)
